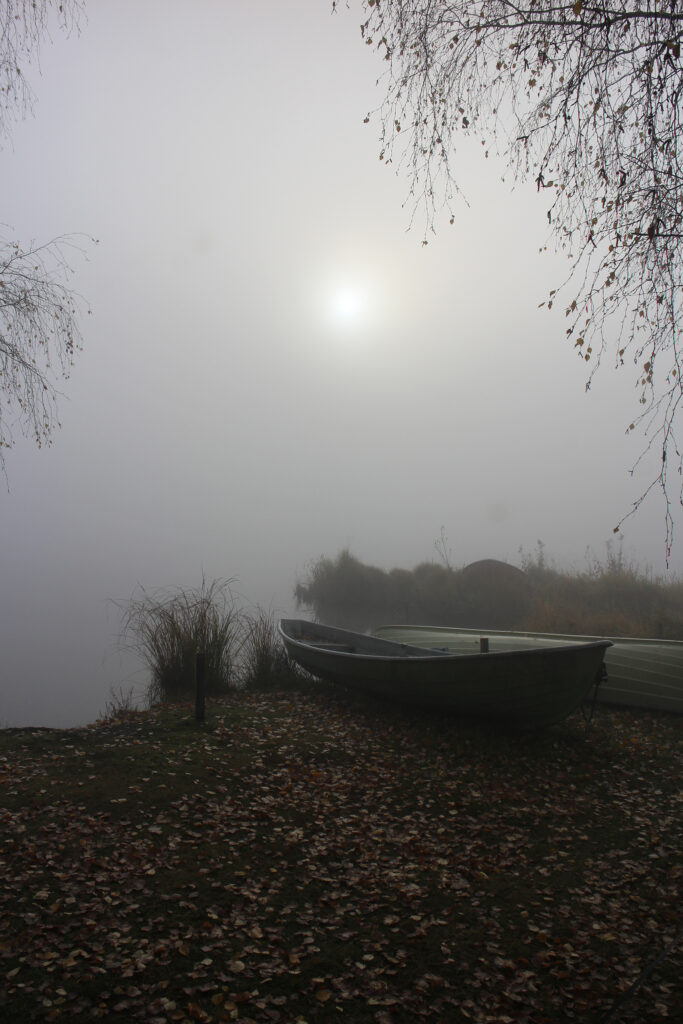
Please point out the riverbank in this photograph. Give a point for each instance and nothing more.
(302, 857)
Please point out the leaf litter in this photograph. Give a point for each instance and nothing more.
(306, 858)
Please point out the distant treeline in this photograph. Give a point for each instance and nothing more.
(610, 598)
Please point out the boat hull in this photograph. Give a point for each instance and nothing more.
(641, 673)
(529, 687)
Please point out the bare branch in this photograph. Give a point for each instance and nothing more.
(582, 98)
(39, 331)
(39, 335)
(23, 24)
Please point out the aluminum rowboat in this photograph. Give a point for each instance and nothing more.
(530, 685)
(641, 673)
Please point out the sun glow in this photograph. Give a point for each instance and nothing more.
(348, 304)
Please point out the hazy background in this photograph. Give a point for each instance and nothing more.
(224, 416)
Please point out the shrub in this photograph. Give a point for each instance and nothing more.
(612, 597)
(344, 591)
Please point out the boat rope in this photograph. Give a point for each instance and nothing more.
(602, 674)
(608, 1017)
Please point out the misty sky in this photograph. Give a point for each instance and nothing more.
(274, 367)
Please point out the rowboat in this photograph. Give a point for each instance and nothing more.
(530, 685)
(641, 673)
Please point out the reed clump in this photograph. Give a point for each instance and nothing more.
(168, 628)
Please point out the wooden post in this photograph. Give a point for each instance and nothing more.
(200, 681)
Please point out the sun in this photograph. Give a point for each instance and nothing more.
(347, 304)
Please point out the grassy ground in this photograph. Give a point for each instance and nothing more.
(306, 858)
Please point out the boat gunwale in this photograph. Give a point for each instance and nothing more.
(578, 637)
(431, 655)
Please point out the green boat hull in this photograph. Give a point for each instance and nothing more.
(641, 673)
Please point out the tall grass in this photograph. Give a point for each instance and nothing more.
(167, 629)
(122, 703)
(611, 597)
(264, 663)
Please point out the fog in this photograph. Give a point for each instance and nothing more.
(274, 367)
